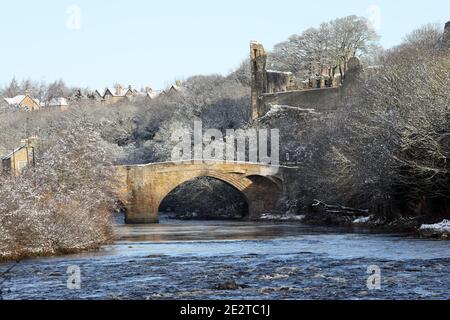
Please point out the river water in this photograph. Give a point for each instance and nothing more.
(194, 259)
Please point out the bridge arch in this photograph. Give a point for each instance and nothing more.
(230, 182)
(144, 187)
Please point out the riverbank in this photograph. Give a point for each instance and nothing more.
(6, 256)
(417, 226)
(84, 237)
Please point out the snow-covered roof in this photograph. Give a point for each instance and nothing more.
(177, 88)
(100, 92)
(155, 93)
(56, 102)
(152, 94)
(113, 92)
(16, 100)
(9, 155)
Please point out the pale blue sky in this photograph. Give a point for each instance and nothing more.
(155, 42)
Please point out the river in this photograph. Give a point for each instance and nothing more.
(194, 259)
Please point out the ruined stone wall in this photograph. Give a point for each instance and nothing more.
(446, 36)
(271, 88)
(278, 81)
(322, 100)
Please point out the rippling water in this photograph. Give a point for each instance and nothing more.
(190, 260)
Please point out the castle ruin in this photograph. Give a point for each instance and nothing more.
(446, 36)
(271, 88)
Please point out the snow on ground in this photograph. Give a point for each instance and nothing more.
(277, 109)
(362, 220)
(438, 228)
(271, 217)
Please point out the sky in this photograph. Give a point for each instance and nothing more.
(96, 43)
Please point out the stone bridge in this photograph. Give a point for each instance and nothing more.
(142, 188)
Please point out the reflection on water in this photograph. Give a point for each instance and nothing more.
(206, 238)
(173, 230)
(188, 259)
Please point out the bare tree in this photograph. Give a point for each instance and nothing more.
(326, 48)
(12, 90)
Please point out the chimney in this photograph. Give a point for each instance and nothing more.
(118, 90)
(29, 142)
(33, 140)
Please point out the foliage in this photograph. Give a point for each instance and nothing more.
(326, 48)
(64, 203)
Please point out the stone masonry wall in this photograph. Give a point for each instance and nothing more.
(271, 88)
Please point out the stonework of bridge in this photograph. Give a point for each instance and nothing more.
(142, 188)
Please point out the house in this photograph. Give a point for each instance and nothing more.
(153, 94)
(17, 160)
(176, 89)
(58, 103)
(116, 94)
(23, 102)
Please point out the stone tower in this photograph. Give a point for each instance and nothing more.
(353, 72)
(258, 60)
